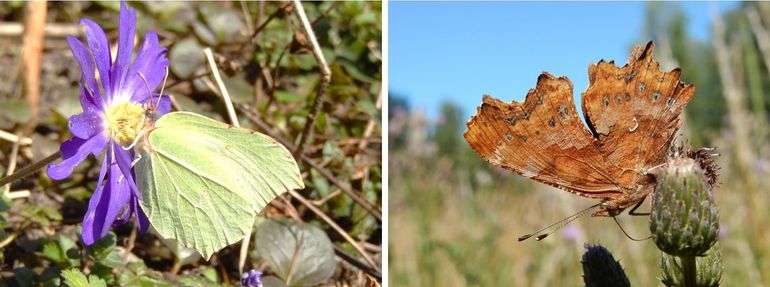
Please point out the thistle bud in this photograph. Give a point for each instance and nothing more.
(709, 269)
(684, 220)
(601, 269)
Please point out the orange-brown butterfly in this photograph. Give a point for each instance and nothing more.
(632, 114)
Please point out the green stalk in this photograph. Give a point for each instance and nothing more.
(690, 271)
(27, 170)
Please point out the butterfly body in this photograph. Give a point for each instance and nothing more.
(631, 114)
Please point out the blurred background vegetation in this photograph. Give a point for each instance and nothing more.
(272, 76)
(455, 220)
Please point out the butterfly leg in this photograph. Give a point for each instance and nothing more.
(633, 209)
(138, 157)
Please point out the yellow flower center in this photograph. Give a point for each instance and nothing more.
(123, 121)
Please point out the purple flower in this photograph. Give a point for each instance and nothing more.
(251, 278)
(112, 118)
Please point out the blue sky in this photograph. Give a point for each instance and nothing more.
(459, 51)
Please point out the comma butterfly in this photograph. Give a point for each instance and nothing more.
(632, 114)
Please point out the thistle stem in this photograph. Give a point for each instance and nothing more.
(690, 274)
(27, 170)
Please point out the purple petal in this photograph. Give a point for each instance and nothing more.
(88, 229)
(124, 215)
(127, 28)
(151, 62)
(88, 102)
(73, 152)
(87, 66)
(141, 219)
(100, 49)
(104, 208)
(162, 107)
(86, 124)
(124, 164)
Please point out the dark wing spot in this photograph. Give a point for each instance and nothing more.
(655, 96)
(642, 86)
(630, 75)
(563, 112)
(552, 122)
(628, 97)
(618, 98)
(606, 101)
(508, 136)
(522, 138)
(670, 102)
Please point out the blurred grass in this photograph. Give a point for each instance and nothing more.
(455, 220)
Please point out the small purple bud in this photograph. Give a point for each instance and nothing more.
(251, 278)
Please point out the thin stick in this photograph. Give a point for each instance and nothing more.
(32, 50)
(127, 251)
(14, 138)
(326, 76)
(243, 252)
(24, 193)
(371, 124)
(357, 263)
(27, 170)
(8, 29)
(222, 89)
(247, 17)
(12, 164)
(334, 226)
(279, 12)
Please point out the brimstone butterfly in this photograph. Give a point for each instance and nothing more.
(203, 182)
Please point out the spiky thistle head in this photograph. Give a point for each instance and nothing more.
(684, 220)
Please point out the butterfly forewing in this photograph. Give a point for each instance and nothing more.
(202, 181)
(561, 153)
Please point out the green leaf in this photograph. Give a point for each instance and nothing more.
(186, 57)
(298, 252)
(62, 251)
(75, 278)
(103, 247)
(96, 281)
(203, 182)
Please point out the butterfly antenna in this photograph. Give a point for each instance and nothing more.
(162, 87)
(542, 234)
(626, 233)
(146, 85)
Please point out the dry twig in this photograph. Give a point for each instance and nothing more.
(30, 58)
(326, 76)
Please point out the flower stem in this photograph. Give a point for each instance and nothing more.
(690, 274)
(27, 170)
